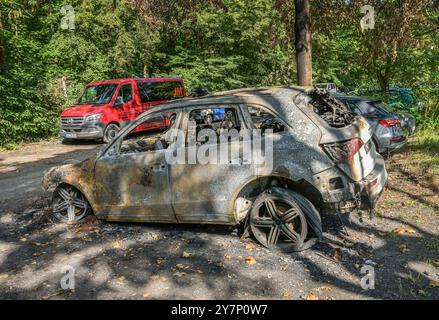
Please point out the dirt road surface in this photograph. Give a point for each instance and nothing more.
(145, 261)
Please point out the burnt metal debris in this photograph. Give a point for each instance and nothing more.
(335, 113)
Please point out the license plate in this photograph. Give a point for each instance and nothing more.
(70, 135)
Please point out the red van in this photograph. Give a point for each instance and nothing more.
(104, 107)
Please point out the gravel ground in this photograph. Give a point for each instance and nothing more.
(147, 261)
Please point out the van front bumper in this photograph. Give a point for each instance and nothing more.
(85, 131)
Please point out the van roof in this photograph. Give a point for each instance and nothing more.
(122, 80)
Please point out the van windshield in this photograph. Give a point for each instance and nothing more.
(98, 94)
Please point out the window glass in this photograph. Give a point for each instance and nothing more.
(99, 94)
(160, 91)
(215, 118)
(365, 107)
(264, 120)
(126, 92)
(148, 135)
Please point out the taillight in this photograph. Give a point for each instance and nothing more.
(389, 122)
(343, 152)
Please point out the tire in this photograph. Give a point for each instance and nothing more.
(110, 132)
(70, 206)
(280, 218)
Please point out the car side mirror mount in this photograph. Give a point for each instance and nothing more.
(118, 102)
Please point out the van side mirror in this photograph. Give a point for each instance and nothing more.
(118, 102)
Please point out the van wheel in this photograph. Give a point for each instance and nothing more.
(111, 132)
(69, 205)
(277, 220)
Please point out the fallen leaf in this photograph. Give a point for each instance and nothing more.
(336, 255)
(23, 239)
(250, 260)
(116, 244)
(325, 288)
(227, 256)
(160, 261)
(179, 274)
(250, 246)
(185, 254)
(421, 292)
(398, 230)
(433, 284)
(154, 236)
(403, 248)
(286, 294)
(121, 279)
(146, 294)
(311, 296)
(157, 277)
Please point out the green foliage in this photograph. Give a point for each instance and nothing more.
(217, 44)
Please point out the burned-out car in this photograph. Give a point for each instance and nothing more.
(320, 154)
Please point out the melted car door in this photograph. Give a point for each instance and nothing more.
(134, 187)
(202, 192)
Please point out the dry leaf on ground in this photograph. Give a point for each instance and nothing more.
(250, 260)
(311, 296)
(337, 255)
(116, 244)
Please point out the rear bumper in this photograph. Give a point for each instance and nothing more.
(347, 195)
(388, 141)
(373, 185)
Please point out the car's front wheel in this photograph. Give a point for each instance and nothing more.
(69, 205)
(277, 220)
(111, 132)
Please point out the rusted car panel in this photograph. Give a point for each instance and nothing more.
(143, 187)
(80, 175)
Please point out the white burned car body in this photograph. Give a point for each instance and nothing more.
(323, 161)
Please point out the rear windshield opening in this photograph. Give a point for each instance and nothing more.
(334, 112)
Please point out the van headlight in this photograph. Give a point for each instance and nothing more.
(93, 117)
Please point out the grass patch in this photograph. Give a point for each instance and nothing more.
(422, 155)
(424, 147)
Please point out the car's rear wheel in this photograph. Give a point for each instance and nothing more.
(278, 222)
(69, 205)
(111, 132)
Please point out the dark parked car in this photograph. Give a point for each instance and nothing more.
(323, 161)
(390, 129)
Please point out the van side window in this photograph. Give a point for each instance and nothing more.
(160, 91)
(126, 92)
(264, 120)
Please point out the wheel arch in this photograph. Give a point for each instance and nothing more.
(250, 189)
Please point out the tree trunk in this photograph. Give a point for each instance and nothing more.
(302, 28)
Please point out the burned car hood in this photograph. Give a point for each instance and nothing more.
(75, 173)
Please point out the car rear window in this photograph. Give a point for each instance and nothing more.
(160, 91)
